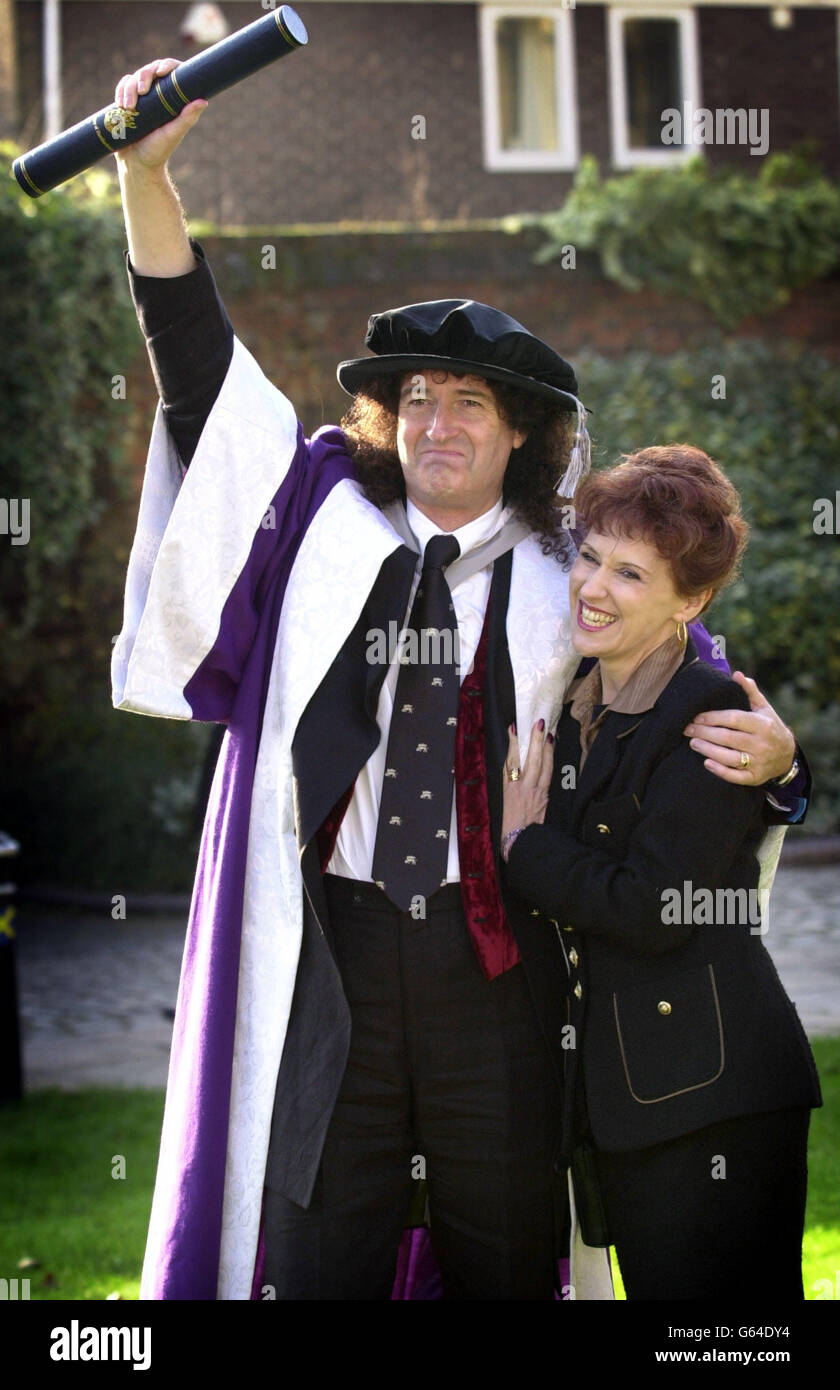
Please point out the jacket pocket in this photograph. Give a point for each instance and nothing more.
(670, 1036)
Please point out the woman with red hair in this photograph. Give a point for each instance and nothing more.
(689, 1080)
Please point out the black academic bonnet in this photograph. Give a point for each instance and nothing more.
(461, 335)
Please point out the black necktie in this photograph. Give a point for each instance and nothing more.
(412, 837)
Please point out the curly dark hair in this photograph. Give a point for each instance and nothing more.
(370, 428)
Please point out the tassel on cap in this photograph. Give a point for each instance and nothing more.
(580, 460)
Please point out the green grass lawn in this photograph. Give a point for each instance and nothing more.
(62, 1206)
(821, 1246)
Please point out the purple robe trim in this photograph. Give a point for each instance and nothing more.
(706, 647)
(225, 689)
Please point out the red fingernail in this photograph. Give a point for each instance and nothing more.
(513, 728)
(541, 725)
(551, 738)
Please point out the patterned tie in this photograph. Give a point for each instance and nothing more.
(412, 838)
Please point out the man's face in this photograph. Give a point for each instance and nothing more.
(453, 444)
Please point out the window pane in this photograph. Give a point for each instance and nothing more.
(654, 78)
(527, 92)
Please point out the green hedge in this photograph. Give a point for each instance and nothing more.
(776, 434)
(97, 799)
(67, 330)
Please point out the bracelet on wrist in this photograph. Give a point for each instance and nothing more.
(508, 840)
(788, 777)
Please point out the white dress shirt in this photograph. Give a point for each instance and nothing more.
(353, 854)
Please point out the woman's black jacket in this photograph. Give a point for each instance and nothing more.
(675, 1007)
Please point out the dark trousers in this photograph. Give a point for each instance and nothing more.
(717, 1214)
(448, 1072)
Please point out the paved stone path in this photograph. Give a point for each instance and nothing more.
(93, 996)
(96, 995)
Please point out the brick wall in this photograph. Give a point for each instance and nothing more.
(325, 134)
(792, 72)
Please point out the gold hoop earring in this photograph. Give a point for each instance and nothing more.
(682, 635)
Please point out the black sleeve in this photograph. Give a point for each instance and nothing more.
(190, 343)
(789, 805)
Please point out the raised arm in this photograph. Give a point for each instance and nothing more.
(158, 243)
(203, 560)
(188, 335)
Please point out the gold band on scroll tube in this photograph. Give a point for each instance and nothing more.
(176, 84)
(284, 31)
(38, 190)
(163, 98)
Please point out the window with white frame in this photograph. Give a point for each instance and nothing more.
(654, 70)
(528, 88)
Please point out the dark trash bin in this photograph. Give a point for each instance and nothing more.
(11, 1080)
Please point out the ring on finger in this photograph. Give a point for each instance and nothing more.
(745, 761)
(514, 774)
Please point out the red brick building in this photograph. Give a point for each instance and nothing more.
(405, 111)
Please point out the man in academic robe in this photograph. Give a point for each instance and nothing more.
(357, 994)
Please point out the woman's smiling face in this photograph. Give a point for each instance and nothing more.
(623, 601)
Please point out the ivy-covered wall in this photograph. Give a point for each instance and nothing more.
(737, 243)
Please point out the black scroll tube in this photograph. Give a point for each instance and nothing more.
(279, 32)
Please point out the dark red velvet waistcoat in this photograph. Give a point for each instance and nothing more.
(494, 942)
